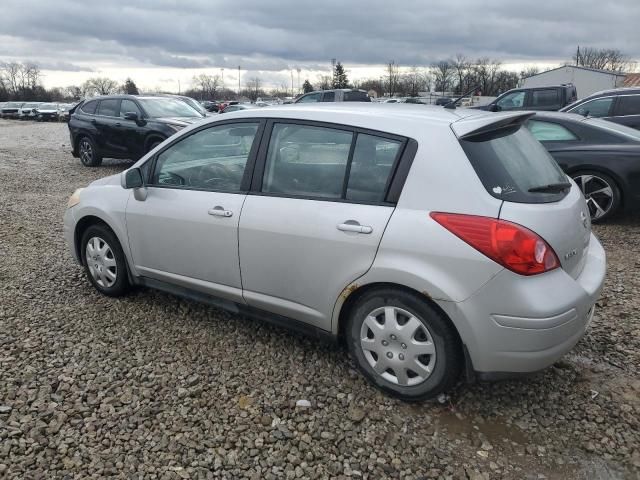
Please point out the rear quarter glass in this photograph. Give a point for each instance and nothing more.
(510, 162)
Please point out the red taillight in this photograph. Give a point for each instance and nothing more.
(509, 244)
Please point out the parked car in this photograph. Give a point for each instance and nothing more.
(236, 107)
(11, 109)
(603, 159)
(621, 105)
(338, 95)
(339, 223)
(28, 111)
(210, 106)
(550, 98)
(442, 101)
(65, 108)
(125, 126)
(47, 111)
(193, 103)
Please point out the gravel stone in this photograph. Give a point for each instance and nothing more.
(153, 386)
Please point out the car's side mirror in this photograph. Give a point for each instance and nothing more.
(494, 107)
(131, 116)
(132, 178)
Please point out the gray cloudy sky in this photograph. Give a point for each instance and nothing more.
(159, 42)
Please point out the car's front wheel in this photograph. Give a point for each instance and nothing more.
(601, 192)
(403, 345)
(88, 153)
(104, 261)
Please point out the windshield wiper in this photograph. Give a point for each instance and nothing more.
(551, 188)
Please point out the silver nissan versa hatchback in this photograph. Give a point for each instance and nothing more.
(433, 241)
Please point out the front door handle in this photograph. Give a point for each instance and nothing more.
(353, 226)
(219, 211)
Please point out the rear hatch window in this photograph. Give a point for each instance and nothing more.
(513, 166)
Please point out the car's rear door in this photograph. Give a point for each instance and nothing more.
(185, 230)
(626, 111)
(105, 121)
(315, 216)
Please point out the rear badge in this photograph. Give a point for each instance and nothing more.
(585, 220)
(572, 253)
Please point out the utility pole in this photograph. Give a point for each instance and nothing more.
(578, 57)
(298, 69)
(238, 82)
(292, 92)
(178, 86)
(222, 73)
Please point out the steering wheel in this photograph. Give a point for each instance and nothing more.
(171, 178)
(216, 173)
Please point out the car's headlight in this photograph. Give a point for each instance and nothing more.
(75, 198)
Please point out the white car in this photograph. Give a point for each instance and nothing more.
(433, 241)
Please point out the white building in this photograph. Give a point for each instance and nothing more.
(586, 80)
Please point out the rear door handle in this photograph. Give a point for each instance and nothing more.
(118, 124)
(219, 211)
(352, 226)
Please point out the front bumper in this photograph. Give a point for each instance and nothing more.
(517, 324)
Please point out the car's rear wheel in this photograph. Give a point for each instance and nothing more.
(104, 261)
(601, 192)
(403, 345)
(88, 153)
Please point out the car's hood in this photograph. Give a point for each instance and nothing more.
(110, 180)
(182, 121)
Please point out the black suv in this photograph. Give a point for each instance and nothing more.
(125, 126)
(551, 98)
(621, 105)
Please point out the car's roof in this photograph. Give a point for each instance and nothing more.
(613, 91)
(401, 119)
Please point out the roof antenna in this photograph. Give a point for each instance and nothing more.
(452, 104)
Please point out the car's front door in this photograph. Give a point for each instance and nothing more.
(185, 231)
(132, 132)
(315, 217)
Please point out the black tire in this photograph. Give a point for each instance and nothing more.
(596, 181)
(448, 359)
(88, 152)
(121, 284)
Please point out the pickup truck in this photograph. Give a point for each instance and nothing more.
(550, 98)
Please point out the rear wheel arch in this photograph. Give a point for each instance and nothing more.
(357, 293)
(152, 139)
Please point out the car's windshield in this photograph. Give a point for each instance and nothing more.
(30, 105)
(615, 128)
(195, 105)
(167, 107)
(512, 165)
(48, 106)
(13, 105)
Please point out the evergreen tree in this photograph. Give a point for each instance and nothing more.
(130, 87)
(307, 87)
(340, 77)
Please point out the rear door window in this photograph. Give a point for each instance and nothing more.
(550, 132)
(89, 107)
(510, 162)
(307, 161)
(109, 107)
(628, 105)
(356, 96)
(599, 107)
(371, 166)
(329, 97)
(549, 98)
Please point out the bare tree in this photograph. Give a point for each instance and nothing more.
(100, 86)
(74, 92)
(412, 82)
(254, 88)
(325, 82)
(12, 73)
(443, 72)
(529, 71)
(603, 59)
(392, 78)
(461, 66)
(208, 85)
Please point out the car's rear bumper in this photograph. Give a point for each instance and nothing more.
(524, 324)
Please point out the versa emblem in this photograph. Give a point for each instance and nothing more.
(570, 254)
(585, 220)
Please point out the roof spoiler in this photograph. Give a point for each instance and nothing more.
(479, 124)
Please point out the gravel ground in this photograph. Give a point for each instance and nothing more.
(151, 386)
